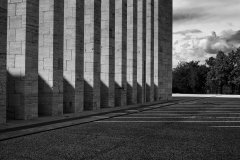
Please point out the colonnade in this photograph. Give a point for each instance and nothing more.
(68, 56)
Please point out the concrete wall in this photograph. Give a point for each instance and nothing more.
(92, 49)
(107, 53)
(22, 59)
(120, 52)
(67, 56)
(73, 56)
(165, 49)
(149, 50)
(3, 52)
(50, 58)
(132, 51)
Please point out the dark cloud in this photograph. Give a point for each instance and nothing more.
(178, 17)
(234, 38)
(204, 11)
(189, 31)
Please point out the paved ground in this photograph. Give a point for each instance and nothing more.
(207, 129)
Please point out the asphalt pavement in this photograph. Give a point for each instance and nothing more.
(205, 129)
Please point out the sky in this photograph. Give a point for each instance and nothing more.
(202, 28)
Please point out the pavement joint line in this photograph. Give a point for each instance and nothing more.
(8, 136)
(193, 111)
(100, 116)
(225, 126)
(205, 107)
(188, 114)
(175, 117)
(167, 121)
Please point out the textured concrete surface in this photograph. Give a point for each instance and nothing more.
(120, 52)
(131, 51)
(165, 64)
(92, 45)
(149, 50)
(50, 62)
(202, 129)
(141, 51)
(156, 51)
(3, 53)
(107, 53)
(22, 59)
(73, 56)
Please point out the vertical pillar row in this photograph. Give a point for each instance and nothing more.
(73, 56)
(149, 51)
(120, 52)
(131, 51)
(107, 53)
(156, 51)
(3, 53)
(92, 48)
(51, 57)
(22, 57)
(140, 57)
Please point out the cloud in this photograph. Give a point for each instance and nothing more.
(187, 50)
(188, 31)
(228, 41)
(188, 53)
(207, 15)
(191, 47)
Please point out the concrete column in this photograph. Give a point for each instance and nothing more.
(50, 61)
(149, 51)
(165, 49)
(3, 53)
(120, 52)
(22, 57)
(169, 49)
(141, 51)
(144, 49)
(131, 51)
(92, 48)
(107, 53)
(73, 56)
(156, 51)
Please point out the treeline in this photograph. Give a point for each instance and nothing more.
(219, 75)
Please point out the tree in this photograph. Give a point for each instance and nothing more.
(234, 78)
(219, 71)
(189, 77)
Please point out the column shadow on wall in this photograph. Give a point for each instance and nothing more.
(118, 95)
(14, 97)
(45, 95)
(139, 93)
(148, 89)
(155, 92)
(88, 96)
(129, 94)
(68, 97)
(104, 95)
